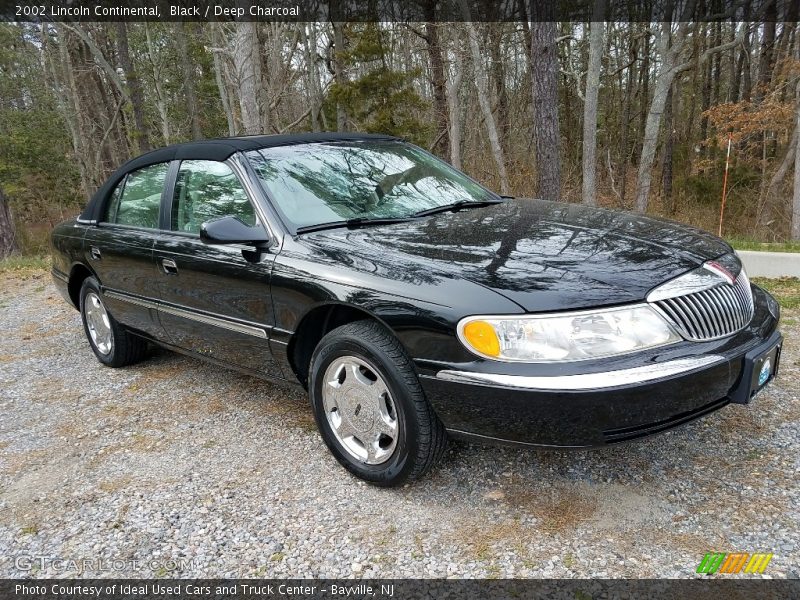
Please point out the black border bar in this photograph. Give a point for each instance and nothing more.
(398, 10)
(389, 589)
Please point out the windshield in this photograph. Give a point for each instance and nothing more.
(321, 183)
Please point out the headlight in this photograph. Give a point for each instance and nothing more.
(564, 337)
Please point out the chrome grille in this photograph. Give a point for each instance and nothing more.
(712, 313)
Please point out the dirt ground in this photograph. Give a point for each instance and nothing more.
(185, 469)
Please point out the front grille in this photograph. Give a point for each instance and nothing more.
(713, 313)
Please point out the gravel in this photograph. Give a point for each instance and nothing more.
(177, 468)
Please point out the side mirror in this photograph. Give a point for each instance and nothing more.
(231, 230)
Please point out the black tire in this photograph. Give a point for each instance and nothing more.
(421, 437)
(126, 348)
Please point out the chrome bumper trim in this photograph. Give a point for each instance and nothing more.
(585, 381)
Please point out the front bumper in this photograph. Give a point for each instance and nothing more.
(603, 403)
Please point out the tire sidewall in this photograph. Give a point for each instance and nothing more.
(397, 469)
(90, 285)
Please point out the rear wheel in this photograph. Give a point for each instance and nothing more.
(111, 343)
(370, 407)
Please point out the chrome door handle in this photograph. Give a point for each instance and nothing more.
(169, 266)
(95, 253)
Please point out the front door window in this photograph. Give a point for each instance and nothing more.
(206, 190)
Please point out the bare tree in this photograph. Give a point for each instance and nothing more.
(482, 85)
(544, 83)
(454, 80)
(247, 64)
(134, 87)
(188, 80)
(670, 47)
(56, 66)
(336, 66)
(308, 33)
(220, 55)
(669, 151)
(596, 46)
(441, 141)
(157, 76)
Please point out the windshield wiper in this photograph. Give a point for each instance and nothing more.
(352, 223)
(362, 221)
(458, 205)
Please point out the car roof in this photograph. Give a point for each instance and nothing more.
(223, 148)
(215, 149)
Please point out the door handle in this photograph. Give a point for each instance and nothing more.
(169, 266)
(95, 253)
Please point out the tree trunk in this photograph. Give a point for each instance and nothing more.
(454, 106)
(8, 238)
(224, 96)
(442, 134)
(669, 145)
(663, 83)
(715, 95)
(644, 87)
(544, 70)
(134, 87)
(747, 80)
(526, 32)
(482, 85)
(339, 75)
(188, 80)
(708, 74)
(247, 63)
(161, 100)
(58, 69)
(779, 175)
(312, 73)
(670, 46)
(626, 123)
(765, 60)
(498, 80)
(596, 47)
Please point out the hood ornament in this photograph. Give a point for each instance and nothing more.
(718, 269)
(711, 274)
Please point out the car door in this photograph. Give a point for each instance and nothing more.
(214, 300)
(120, 248)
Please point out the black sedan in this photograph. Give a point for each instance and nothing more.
(411, 302)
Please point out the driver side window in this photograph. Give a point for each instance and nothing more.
(206, 190)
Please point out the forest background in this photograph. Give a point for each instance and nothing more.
(626, 115)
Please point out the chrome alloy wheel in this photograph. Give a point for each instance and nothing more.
(360, 410)
(98, 324)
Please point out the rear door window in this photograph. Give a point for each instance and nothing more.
(136, 200)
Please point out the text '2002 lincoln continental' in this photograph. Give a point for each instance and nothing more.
(411, 302)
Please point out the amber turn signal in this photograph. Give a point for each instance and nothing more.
(482, 337)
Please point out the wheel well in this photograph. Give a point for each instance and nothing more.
(313, 328)
(76, 278)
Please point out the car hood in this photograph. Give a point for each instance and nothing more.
(541, 255)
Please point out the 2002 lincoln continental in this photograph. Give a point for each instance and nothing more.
(412, 302)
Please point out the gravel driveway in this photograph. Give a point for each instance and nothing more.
(177, 468)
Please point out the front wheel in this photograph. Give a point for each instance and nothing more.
(370, 407)
(111, 343)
